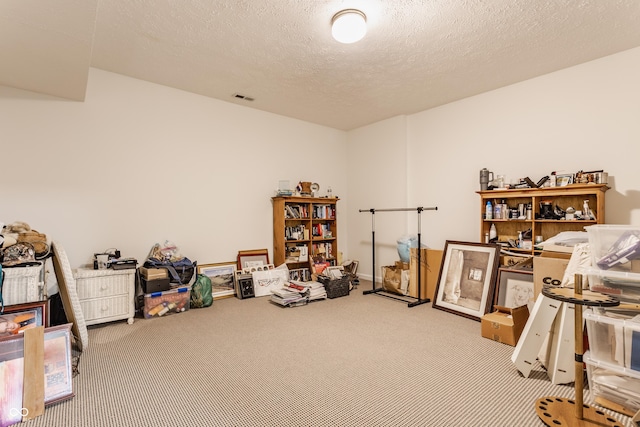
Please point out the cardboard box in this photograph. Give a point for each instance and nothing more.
(153, 273)
(430, 260)
(505, 324)
(548, 269)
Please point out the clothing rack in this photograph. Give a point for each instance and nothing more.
(375, 290)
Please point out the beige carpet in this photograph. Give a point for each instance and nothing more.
(360, 360)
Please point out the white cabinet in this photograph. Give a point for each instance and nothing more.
(106, 295)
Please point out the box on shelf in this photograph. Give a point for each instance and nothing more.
(505, 324)
(548, 269)
(612, 386)
(613, 247)
(159, 304)
(22, 285)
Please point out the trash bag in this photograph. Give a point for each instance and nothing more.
(201, 292)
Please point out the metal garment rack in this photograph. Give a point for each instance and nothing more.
(375, 290)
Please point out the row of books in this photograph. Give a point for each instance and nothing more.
(296, 211)
(322, 230)
(300, 274)
(296, 232)
(297, 253)
(325, 249)
(295, 293)
(324, 211)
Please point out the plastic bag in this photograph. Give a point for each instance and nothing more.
(166, 252)
(201, 292)
(405, 243)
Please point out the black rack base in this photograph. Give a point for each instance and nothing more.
(383, 293)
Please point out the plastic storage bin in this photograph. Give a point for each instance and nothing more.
(613, 247)
(606, 338)
(158, 304)
(623, 285)
(612, 386)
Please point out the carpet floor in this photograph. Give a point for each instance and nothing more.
(359, 360)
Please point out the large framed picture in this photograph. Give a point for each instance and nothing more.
(467, 278)
(223, 278)
(253, 258)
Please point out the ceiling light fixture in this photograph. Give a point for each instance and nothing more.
(348, 26)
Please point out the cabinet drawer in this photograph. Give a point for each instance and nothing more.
(97, 287)
(106, 307)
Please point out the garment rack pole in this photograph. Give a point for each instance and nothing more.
(375, 290)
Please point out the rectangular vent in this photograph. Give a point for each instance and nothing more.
(243, 97)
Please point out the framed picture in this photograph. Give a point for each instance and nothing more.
(564, 180)
(58, 371)
(12, 379)
(253, 258)
(514, 288)
(223, 278)
(16, 318)
(467, 278)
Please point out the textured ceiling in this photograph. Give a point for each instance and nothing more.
(417, 54)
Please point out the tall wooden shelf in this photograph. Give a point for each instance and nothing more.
(314, 219)
(568, 196)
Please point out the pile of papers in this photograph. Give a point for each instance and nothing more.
(295, 293)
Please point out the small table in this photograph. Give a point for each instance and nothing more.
(106, 295)
(556, 411)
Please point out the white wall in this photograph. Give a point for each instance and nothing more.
(581, 118)
(138, 163)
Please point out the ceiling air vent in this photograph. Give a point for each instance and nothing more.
(243, 97)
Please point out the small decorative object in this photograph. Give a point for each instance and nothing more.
(305, 188)
(315, 187)
(564, 180)
(467, 278)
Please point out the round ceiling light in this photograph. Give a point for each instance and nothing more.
(348, 26)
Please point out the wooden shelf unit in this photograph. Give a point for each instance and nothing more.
(568, 196)
(314, 219)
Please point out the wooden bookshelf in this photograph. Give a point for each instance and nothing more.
(301, 223)
(568, 196)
